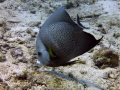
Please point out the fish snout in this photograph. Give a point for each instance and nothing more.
(43, 58)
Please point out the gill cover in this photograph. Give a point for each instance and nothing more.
(43, 54)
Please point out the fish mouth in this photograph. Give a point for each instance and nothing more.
(39, 63)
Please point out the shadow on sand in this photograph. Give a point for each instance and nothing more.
(80, 81)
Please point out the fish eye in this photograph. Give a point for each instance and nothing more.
(39, 53)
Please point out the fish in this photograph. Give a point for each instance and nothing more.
(60, 39)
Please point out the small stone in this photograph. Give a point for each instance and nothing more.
(1, 32)
(8, 78)
(28, 31)
(34, 57)
(21, 76)
(116, 35)
(16, 52)
(34, 23)
(1, 80)
(102, 30)
(69, 5)
(12, 45)
(100, 25)
(15, 62)
(105, 75)
(2, 57)
(118, 85)
(33, 34)
(26, 87)
(13, 21)
(21, 42)
(2, 23)
(23, 60)
(111, 75)
(83, 72)
(6, 46)
(4, 86)
(33, 11)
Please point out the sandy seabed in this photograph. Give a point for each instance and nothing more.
(20, 21)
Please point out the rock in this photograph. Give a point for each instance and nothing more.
(23, 60)
(5, 46)
(2, 23)
(33, 11)
(16, 52)
(13, 21)
(102, 29)
(69, 5)
(3, 85)
(1, 80)
(116, 35)
(21, 76)
(28, 31)
(33, 34)
(21, 42)
(34, 23)
(2, 57)
(1, 32)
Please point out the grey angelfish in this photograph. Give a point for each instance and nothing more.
(61, 39)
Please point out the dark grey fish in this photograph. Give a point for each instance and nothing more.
(61, 39)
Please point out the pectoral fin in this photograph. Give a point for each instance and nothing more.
(51, 52)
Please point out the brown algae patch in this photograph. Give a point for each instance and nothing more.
(106, 57)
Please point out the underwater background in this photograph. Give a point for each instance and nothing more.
(97, 69)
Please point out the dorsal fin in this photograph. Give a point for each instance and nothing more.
(79, 24)
(60, 15)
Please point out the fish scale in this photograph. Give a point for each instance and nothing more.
(60, 38)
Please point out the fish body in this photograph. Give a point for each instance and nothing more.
(62, 37)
